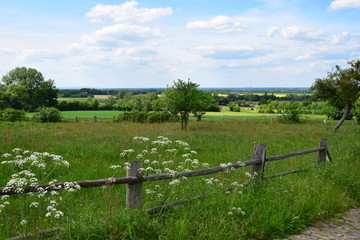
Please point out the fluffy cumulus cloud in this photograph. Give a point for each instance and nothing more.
(297, 33)
(342, 4)
(219, 23)
(127, 12)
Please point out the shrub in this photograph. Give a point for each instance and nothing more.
(12, 115)
(290, 115)
(47, 114)
(161, 116)
(134, 116)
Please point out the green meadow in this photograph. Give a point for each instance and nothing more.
(264, 209)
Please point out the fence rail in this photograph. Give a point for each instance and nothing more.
(135, 179)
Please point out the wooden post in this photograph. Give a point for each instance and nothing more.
(95, 119)
(113, 118)
(321, 155)
(76, 119)
(259, 153)
(133, 190)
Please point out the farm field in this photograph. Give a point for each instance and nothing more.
(253, 212)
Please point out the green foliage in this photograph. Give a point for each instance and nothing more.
(12, 115)
(291, 113)
(341, 89)
(150, 117)
(184, 98)
(47, 114)
(28, 90)
(158, 116)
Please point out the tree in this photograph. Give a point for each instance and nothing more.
(184, 98)
(38, 91)
(341, 89)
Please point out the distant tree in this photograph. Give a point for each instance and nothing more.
(38, 92)
(341, 89)
(184, 98)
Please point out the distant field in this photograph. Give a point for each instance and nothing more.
(261, 94)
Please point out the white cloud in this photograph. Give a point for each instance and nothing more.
(121, 32)
(127, 12)
(297, 33)
(221, 23)
(342, 4)
(231, 52)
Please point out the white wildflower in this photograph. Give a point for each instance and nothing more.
(23, 222)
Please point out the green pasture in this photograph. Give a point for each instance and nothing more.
(265, 209)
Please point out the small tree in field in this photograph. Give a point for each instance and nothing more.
(341, 89)
(184, 98)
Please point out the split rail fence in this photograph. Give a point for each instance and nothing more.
(134, 179)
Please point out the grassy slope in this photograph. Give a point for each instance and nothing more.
(273, 208)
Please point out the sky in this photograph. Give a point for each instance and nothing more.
(151, 43)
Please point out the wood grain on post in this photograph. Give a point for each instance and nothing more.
(321, 154)
(133, 190)
(259, 153)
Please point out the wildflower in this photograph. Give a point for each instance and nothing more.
(193, 152)
(230, 213)
(4, 197)
(139, 156)
(48, 214)
(146, 161)
(23, 222)
(6, 155)
(182, 143)
(160, 195)
(114, 166)
(58, 214)
(174, 182)
(34, 204)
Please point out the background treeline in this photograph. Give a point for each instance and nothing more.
(126, 101)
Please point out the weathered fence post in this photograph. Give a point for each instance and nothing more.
(133, 190)
(95, 119)
(321, 155)
(259, 153)
(76, 119)
(113, 118)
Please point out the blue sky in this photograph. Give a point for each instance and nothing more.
(151, 43)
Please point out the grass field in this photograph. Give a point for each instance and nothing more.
(270, 209)
(250, 114)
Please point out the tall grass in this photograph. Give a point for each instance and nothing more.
(266, 209)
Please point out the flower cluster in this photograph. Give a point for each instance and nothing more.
(29, 168)
(162, 156)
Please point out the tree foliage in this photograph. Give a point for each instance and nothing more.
(184, 98)
(26, 89)
(340, 89)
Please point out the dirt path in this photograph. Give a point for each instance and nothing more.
(345, 228)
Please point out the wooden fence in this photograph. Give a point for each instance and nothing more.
(134, 179)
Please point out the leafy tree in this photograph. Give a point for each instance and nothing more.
(38, 91)
(341, 89)
(184, 98)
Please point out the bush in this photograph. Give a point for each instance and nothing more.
(134, 116)
(12, 115)
(47, 114)
(290, 115)
(160, 116)
(150, 117)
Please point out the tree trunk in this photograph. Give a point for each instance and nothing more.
(347, 110)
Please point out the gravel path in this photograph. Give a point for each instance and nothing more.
(345, 228)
